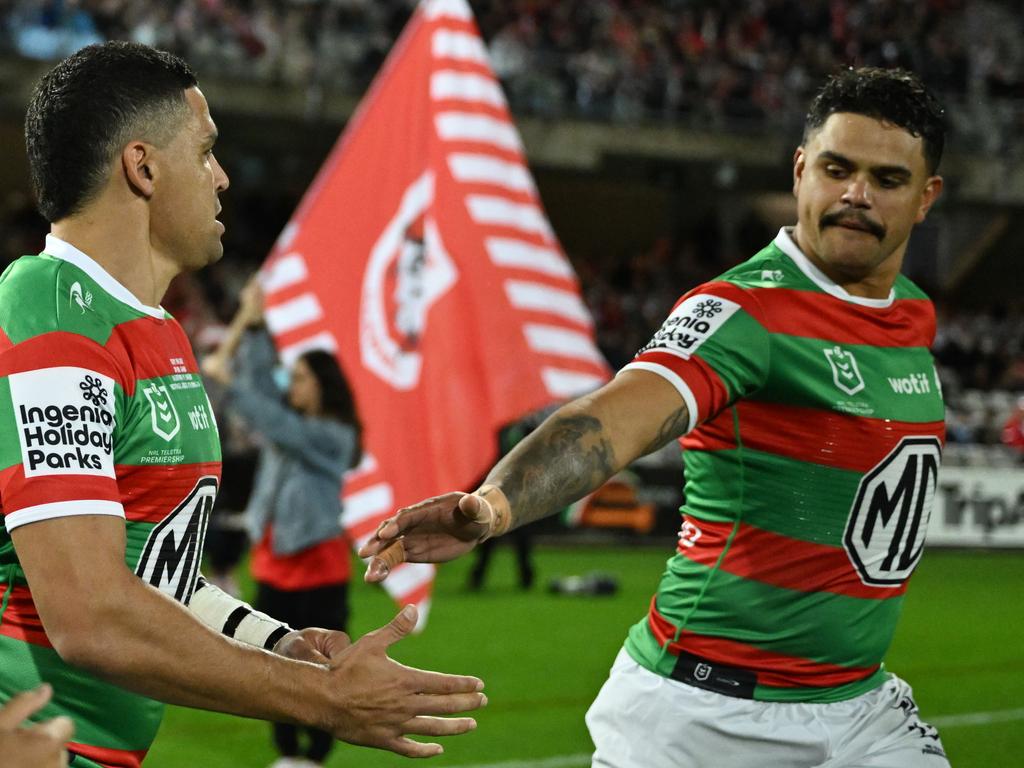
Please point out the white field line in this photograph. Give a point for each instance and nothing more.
(976, 718)
(944, 721)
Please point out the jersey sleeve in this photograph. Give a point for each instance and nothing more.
(59, 395)
(713, 348)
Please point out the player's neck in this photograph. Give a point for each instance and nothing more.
(122, 248)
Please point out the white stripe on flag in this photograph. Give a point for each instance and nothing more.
(291, 314)
(454, 9)
(466, 126)
(508, 252)
(287, 270)
(323, 340)
(366, 465)
(554, 340)
(500, 211)
(562, 383)
(462, 46)
(544, 298)
(466, 86)
(376, 500)
(486, 169)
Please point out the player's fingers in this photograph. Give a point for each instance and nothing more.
(449, 703)
(439, 726)
(440, 683)
(60, 729)
(476, 509)
(380, 564)
(394, 630)
(22, 706)
(410, 748)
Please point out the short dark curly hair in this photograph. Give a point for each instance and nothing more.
(88, 107)
(893, 95)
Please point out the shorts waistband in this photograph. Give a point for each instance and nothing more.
(712, 676)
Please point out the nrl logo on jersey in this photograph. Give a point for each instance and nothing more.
(845, 373)
(163, 416)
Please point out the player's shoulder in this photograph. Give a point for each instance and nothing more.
(42, 294)
(769, 268)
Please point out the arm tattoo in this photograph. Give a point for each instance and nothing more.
(673, 427)
(566, 458)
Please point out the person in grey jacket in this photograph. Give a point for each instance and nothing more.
(300, 558)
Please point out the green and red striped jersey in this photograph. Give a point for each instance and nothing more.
(102, 412)
(811, 463)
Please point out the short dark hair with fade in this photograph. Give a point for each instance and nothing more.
(893, 95)
(88, 107)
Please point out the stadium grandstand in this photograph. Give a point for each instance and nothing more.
(660, 138)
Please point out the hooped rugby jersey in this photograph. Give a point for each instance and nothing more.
(817, 425)
(102, 412)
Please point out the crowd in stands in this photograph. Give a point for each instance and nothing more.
(749, 62)
(705, 61)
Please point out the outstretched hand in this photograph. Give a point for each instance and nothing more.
(433, 531)
(385, 701)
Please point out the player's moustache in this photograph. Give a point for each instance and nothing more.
(852, 217)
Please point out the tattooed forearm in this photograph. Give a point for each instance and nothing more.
(674, 426)
(566, 458)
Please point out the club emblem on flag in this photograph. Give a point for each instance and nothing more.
(845, 373)
(163, 417)
(408, 271)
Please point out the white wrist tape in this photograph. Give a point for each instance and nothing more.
(234, 618)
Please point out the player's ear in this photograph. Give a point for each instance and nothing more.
(931, 192)
(799, 163)
(136, 161)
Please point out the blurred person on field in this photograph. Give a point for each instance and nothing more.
(1013, 429)
(801, 385)
(300, 560)
(110, 458)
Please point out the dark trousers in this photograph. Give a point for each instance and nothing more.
(325, 607)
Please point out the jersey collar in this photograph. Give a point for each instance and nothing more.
(65, 251)
(785, 243)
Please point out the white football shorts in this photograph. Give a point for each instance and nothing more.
(644, 720)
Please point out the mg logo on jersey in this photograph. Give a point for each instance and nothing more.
(163, 417)
(885, 532)
(845, 373)
(408, 271)
(170, 560)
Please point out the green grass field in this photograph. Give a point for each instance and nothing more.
(543, 657)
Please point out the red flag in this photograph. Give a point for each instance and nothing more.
(422, 255)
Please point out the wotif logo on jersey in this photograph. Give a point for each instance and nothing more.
(914, 384)
(65, 419)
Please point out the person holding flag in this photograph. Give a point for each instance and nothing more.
(809, 476)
